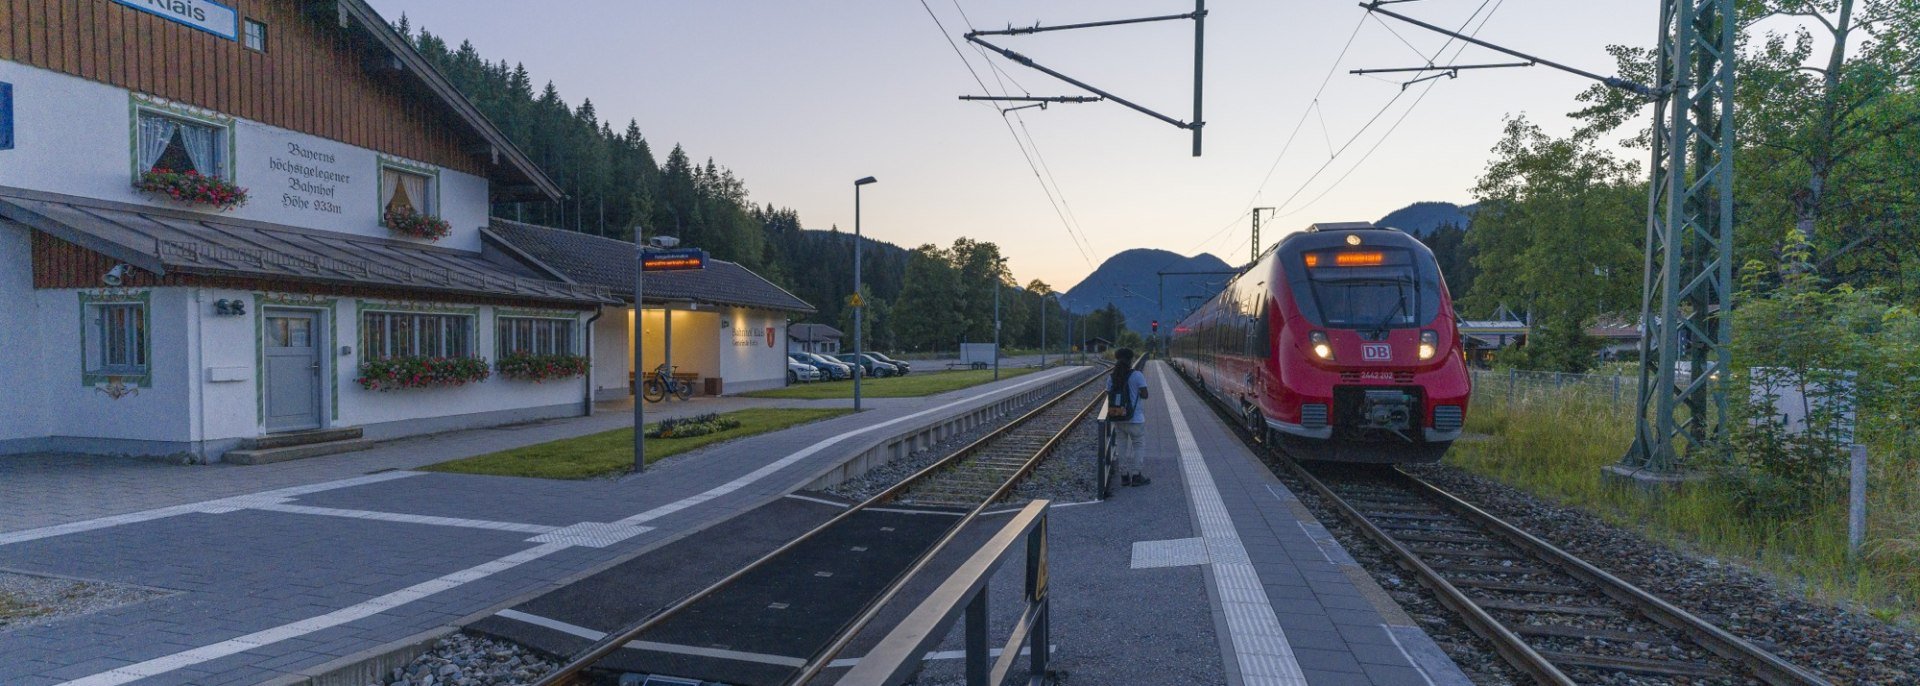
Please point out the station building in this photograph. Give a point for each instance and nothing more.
(814, 338)
(361, 290)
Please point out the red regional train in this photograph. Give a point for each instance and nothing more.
(1340, 343)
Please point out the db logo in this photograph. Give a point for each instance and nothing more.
(1376, 352)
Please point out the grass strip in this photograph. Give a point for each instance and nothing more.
(1553, 442)
(912, 385)
(610, 453)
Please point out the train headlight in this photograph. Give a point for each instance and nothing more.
(1321, 348)
(1429, 345)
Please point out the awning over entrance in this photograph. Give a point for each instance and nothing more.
(165, 241)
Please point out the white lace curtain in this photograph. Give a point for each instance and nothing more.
(201, 143)
(405, 191)
(156, 133)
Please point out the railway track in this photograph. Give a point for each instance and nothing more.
(892, 544)
(1554, 617)
(966, 482)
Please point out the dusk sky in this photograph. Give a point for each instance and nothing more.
(799, 98)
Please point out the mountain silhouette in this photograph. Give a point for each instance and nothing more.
(1130, 281)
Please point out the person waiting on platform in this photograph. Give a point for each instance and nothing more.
(1126, 389)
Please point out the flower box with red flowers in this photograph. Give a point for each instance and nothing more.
(539, 368)
(412, 223)
(401, 373)
(192, 187)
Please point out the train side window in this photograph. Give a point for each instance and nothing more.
(1263, 333)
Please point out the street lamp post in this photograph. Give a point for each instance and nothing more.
(859, 307)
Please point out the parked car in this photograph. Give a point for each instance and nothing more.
(868, 365)
(800, 372)
(904, 368)
(832, 368)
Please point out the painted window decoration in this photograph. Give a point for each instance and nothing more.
(409, 334)
(117, 348)
(407, 350)
(185, 160)
(256, 36)
(537, 349)
(410, 204)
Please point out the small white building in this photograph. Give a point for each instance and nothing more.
(141, 321)
(728, 325)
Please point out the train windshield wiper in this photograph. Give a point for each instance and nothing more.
(1399, 304)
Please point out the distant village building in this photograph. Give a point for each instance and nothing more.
(813, 338)
(361, 290)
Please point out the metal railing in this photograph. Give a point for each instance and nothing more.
(899, 654)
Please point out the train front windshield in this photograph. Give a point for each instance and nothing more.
(1381, 288)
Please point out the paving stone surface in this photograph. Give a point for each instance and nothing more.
(281, 568)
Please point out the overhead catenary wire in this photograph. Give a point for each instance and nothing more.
(1396, 123)
(1284, 147)
(998, 74)
(1283, 205)
(1031, 165)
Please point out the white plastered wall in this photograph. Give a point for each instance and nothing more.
(751, 358)
(23, 410)
(154, 419)
(612, 354)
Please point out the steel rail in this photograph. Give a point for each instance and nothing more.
(613, 642)
(820, 661)
(1511, 647)
(1768, 667)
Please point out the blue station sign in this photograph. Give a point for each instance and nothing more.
(206, 15)
(6, 116)
(687, 259)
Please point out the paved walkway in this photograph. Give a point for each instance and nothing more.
(44, 490)
(282, 568)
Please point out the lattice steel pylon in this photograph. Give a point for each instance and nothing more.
(1688, 287)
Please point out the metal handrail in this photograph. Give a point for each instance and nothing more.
(899, 653)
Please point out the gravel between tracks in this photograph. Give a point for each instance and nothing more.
(26, 600)
(463, 659)
(1846, 646)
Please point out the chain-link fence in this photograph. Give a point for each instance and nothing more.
(1513, 385)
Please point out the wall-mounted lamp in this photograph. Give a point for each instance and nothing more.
(229, 308)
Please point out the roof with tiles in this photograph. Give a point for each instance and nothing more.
(608, 263)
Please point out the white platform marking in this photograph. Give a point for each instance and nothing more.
(187, 658)
(216, 506)
(407, 518)
(592, 635)
(1259, 644)
(585, 534)
(1179, 552)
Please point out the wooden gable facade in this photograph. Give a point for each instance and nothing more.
(319, 75)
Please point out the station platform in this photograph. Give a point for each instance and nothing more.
(1212, 574)
(313, 571)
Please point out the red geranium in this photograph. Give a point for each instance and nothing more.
(191, 186)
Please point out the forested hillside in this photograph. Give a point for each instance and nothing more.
(614, 183)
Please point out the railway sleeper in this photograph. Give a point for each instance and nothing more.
(1546, 608)
(1599, 633)
(1462, 552)
(1520, 587)
(1424, 537)
(1516, 570)
(1639, 665)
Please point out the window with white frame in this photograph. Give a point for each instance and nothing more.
(256, 35)
(180, 144)
(117, 342)
(408, 192)
(533, 336)
(411, 334)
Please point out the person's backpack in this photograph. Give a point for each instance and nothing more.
(1120, 400)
